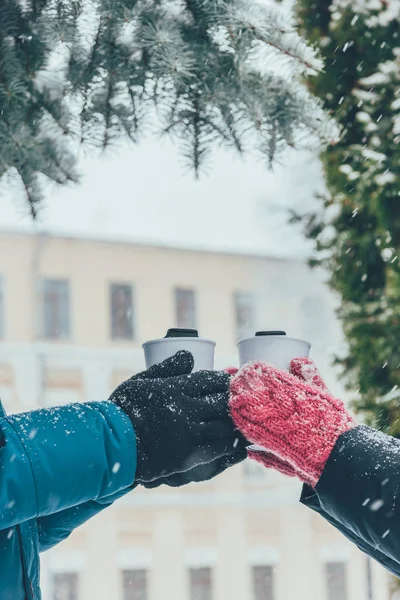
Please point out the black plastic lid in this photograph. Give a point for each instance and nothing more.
(260, 333)
(180, 332)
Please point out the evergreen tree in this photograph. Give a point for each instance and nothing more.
(357, 231)
(91, 71)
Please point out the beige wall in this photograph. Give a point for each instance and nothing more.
(235, 521)
(92, 266)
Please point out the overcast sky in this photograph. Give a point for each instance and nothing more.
(142, 193)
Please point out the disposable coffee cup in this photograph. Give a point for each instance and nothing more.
(202, 349)
(274, 348)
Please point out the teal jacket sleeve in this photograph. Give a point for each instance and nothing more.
(55, 528)
(55, 459)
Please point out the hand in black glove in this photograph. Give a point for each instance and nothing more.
(202, 472)
(181, 421)
(181, 363)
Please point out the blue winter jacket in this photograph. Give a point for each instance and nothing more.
(58, 467)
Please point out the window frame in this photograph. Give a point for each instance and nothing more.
(44, 294)
(332, 593)
(265, 594)
(194, 320)
(125, 573)
(113, 285)
(248, 329)
(75, 575)
(193, 592)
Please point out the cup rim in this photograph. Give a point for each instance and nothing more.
(172, 340)
(274, 337)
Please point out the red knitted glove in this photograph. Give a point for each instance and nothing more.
(304, 369)
(292, 415)
(268, 459)
(231, 370)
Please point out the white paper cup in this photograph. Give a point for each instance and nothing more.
(202, 349)
(273, 348)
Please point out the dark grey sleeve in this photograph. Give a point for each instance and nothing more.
(358, 493)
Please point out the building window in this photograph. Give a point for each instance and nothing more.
(121, 311)
(2, 316)
(185, 307)
(263, 582)
(336, 580)
(244, 314)
(200, 584)
(56, 317)
(134, 584)
(65, 586)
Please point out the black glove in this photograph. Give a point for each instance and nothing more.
(202, 472)
(181, 421)
(181, 363)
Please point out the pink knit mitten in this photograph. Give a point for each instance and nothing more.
(293, 416)
(268, 459)
(304, 369)
(231, 370)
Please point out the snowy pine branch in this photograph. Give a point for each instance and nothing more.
(217, 71)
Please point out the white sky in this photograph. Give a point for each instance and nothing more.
(143, 193)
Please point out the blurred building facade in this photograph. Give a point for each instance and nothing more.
(73, 316)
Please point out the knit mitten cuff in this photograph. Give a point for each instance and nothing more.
(271, 461)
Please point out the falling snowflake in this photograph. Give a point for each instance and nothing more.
(376, 505)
